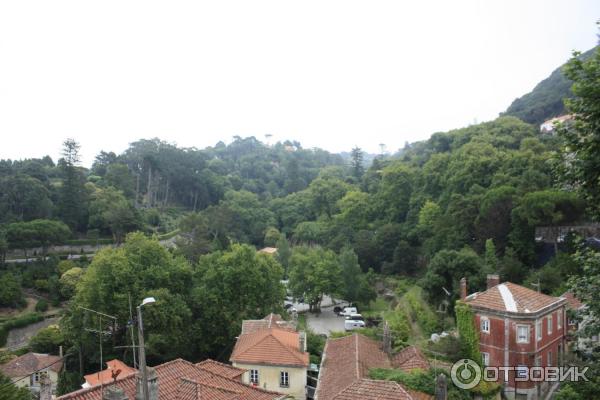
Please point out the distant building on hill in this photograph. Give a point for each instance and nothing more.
(548, 125)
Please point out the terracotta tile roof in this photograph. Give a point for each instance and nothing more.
(409, 358)
(375, 390)
(270, 321)
(347, 360)
(226, 370)
(510, 297)
(573, 302)
(179, 380)
(105, 376)
(272, 346)
(29, 363)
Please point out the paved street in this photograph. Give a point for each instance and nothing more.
(325, 322)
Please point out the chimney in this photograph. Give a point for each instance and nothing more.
(302, 341)
(152, 385)
(441, 387)
(114, 393)
(45, 387)
(463, 288)
(493, 280)
(387, 339)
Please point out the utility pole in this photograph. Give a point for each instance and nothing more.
(147, 300)
(132, 334)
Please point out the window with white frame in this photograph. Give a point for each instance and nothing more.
(559, 319)
(485, 325)
(522, 333)
(284, 379)
(549, 320)
(550, 360)
(486, 358)
(254, 376)
(538, 329)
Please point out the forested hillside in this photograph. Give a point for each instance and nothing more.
(142, 187)
(546, 100)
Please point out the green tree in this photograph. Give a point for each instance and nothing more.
(39, 232)
(10, 291)
(194, 239)
(72, 206)
(230, 286)
(141, 267)
(9, 390)
(491, 258)
(272, 236)
(284, 253)
(356, 163)
(23, 198)
(110, 211)
(582, 135)
(119, 176)
(69, 281)
(549, 208)
(355, 286)
(314, 272)
(252, 215)
(404, 261)
(447, 268)
(47, 340)
(3, 246)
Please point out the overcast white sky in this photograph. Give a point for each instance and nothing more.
(332, 74)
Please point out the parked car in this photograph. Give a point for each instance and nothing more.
(355, 317)
(350, 325)
(348, 311)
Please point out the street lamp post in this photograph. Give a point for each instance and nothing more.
(142, 355)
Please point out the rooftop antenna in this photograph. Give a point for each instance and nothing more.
(537, 285)
(101, 334)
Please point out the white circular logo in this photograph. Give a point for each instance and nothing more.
(465, 373)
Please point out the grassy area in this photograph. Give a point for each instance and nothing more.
(403, 305)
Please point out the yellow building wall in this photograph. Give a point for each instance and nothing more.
(26, 382)
(268, 378)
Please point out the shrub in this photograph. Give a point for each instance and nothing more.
(47, 340)
(41, 306)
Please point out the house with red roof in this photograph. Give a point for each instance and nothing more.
(30, 369)
(274, 355)
(345, 365)
(115, 369)
(518, 327)
(179, 380)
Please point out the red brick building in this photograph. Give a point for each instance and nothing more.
(520, 328)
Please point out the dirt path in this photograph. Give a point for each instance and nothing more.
(19, 338)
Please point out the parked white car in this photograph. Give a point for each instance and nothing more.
(347, 311)
(355, 317)
(350, 325)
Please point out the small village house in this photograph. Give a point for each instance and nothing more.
(31, 369)
(274, 355)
